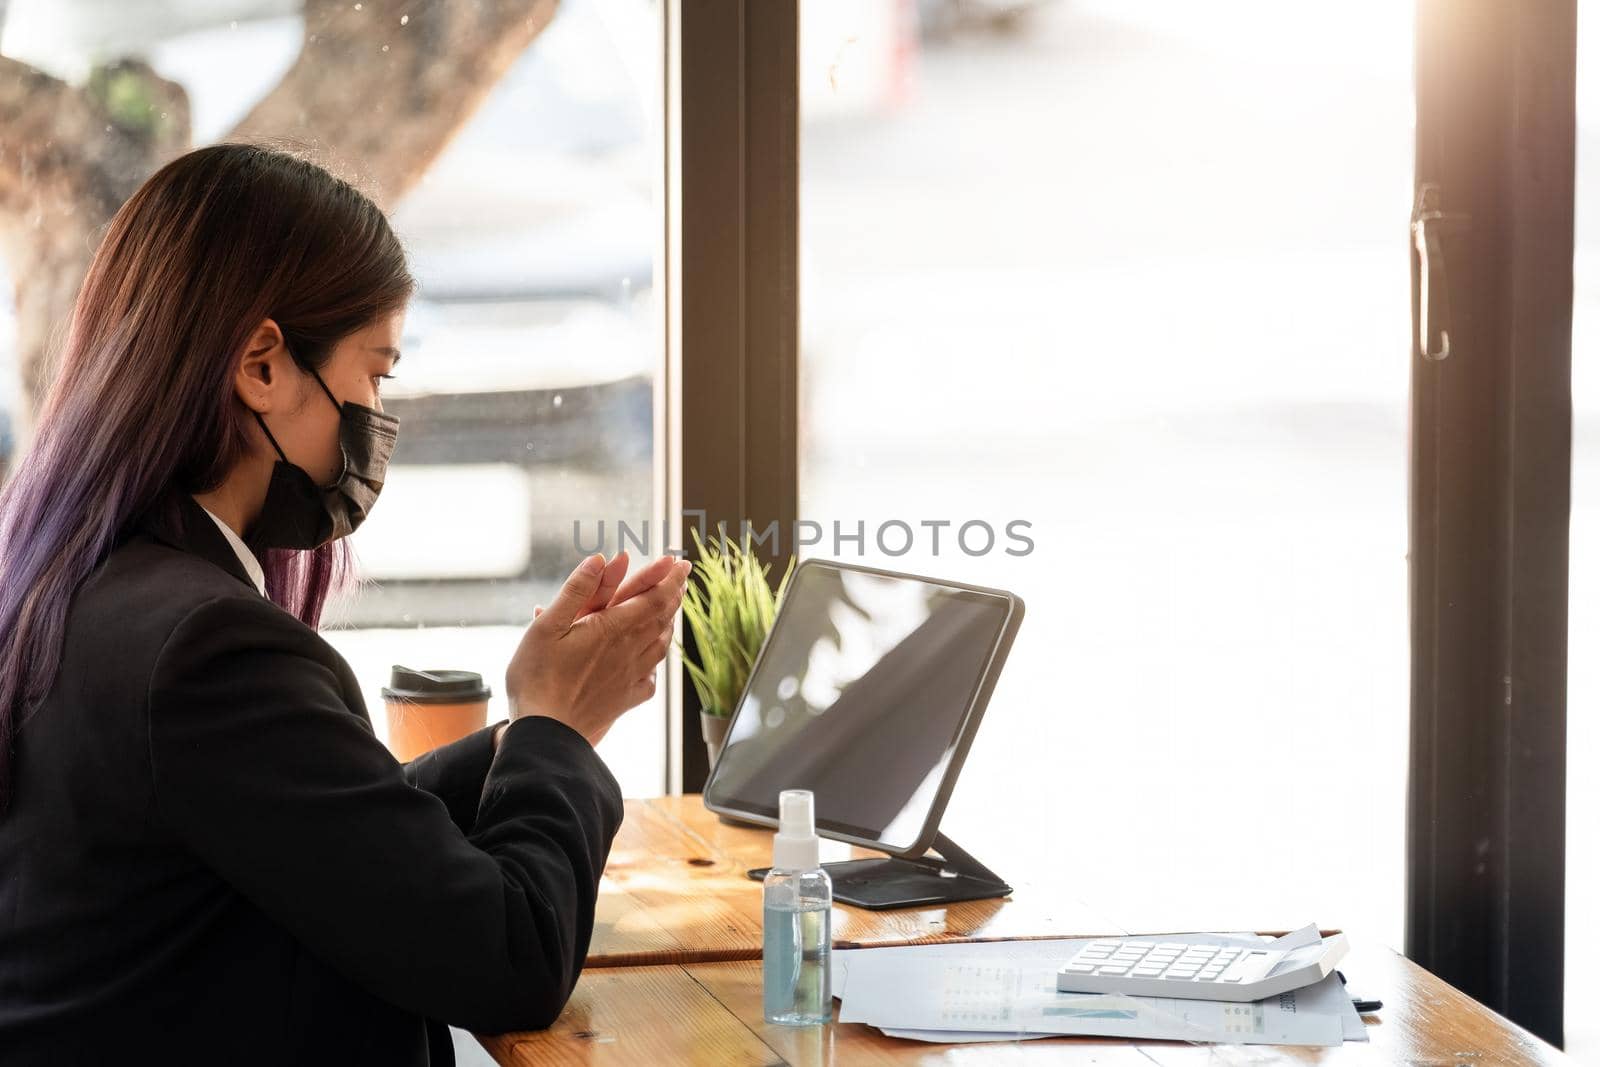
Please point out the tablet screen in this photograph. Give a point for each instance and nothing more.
(859, 696)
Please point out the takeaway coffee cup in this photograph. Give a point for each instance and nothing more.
(432, 708)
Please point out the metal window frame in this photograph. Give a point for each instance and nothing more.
(729, 397)
(1490, 500)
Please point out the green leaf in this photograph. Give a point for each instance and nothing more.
(729, 607)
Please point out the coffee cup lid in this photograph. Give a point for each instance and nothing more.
(434, 687)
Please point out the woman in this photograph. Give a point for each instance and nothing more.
(205, 854)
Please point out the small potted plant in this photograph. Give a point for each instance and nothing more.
(729, 610)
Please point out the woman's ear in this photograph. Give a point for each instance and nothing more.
(259, 379)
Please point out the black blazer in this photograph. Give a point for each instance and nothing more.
(211, 858)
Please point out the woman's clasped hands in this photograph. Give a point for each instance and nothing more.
(593, 653)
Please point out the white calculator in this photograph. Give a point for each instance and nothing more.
(1196, 970)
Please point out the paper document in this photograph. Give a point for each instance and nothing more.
(1006, 990)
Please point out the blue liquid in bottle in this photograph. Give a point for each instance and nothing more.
(796, 929)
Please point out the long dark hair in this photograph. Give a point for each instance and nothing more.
(144, 404)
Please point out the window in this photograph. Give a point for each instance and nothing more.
(532, 348)
(1135, 276)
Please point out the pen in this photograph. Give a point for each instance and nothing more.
(1363, 1007)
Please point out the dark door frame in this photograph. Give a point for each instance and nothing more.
(1490, 494)
(732, 246)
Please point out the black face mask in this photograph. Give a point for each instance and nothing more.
(297, 512)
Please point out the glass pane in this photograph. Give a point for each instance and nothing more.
(530, 349)
(1118, 294)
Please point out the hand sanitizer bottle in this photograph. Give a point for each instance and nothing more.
(796, 923)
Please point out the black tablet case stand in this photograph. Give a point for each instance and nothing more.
(925, 881)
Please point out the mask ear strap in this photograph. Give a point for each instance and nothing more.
(344, 456)
(271, 438)
(325, 388)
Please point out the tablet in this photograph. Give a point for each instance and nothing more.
(867, 692)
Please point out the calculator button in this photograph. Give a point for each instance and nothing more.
(1250, 966)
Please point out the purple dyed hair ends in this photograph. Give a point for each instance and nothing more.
(143, 406)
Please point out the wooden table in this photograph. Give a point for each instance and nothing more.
(675, 891)
(674, 974)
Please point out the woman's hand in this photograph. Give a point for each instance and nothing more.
(593, 653)
(613, 590)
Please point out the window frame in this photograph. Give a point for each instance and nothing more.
(1490, 470)
(730, 248)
